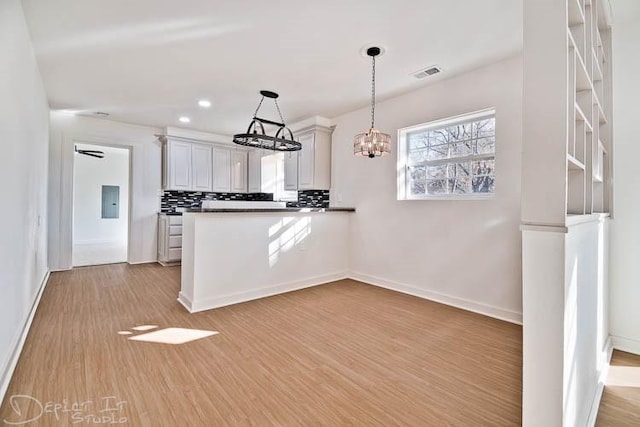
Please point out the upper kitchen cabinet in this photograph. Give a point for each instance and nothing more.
(186, 166)
(255, 171)
(221, 170)
(201, 157)
(239, 171)
(291, 170)
(314, 160)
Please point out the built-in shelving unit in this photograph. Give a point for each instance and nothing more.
(566, 201)
(589, 92)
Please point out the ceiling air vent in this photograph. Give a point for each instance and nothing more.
(426, 72)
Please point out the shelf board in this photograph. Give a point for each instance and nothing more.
(602, 147)
(574, 164)
(602, 118)
(581, 117)
(576, 14)
(597, 73)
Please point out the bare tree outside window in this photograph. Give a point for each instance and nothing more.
(453, 157)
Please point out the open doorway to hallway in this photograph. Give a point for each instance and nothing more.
(100, 205)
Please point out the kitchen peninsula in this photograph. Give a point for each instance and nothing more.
(235, 255)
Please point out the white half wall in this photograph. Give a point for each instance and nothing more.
(24, 137)
(146, 162)
(459, 251)
(90, 174)
(625, 228)
(259, 254)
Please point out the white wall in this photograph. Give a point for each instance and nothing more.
(24, 122)
(625, 230)
(146, 159)
(90, 174)
(465, 253)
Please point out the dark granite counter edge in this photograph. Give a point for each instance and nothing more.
(304, 210)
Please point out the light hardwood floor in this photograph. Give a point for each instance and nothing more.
(620, 404)
(344, 353)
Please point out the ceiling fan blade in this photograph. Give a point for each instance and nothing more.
(97, 156)
(92, 153)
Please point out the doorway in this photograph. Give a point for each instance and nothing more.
(100, 205)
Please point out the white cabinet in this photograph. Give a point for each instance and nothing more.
(187, 166)
(169, 239)
(306, 164)
(192, 166)
(221, 170)
(291, 170)
(255, 171)
(202, 179)
(178, 165)
(239, 171)
(314, 160)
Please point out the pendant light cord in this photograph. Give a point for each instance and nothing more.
(255, 114)
(259, 105)
(279, 112)
(373, 89)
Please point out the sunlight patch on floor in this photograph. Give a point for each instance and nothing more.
(623, 376)
(143, 328)
(173, 335)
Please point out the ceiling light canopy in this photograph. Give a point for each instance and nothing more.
(257, 137)
(372, 143)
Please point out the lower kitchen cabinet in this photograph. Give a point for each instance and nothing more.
(169, 239)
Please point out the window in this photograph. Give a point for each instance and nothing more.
(451, 158)
(272, 178)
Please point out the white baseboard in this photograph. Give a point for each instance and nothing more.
(607, 351)
(484, 309)
(626, 344)
(153, 261)
(7, 371)
(235, 298)
(185, 301)
(118, 242)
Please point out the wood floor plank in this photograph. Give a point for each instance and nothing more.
(620, 404)
(344, 353)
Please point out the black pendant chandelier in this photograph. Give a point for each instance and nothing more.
(257, 137)
(372, 143)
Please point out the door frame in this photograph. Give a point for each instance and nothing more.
(66, 245)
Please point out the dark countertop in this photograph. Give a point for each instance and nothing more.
(170, 213)
(244, 210)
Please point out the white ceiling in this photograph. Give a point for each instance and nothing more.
(149, 61)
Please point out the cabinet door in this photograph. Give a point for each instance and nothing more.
(291, 170)
(306, 162)
(239, 172)
(179, 162)
(255, 171)
(201, 164)
(221, 170)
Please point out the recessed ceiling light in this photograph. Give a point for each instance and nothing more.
(204, 103)
(184, 119)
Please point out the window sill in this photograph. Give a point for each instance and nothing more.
(451, 197)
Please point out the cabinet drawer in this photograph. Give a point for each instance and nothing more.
(175, 230)
(174, 254)
(175, 220)
(175, 242)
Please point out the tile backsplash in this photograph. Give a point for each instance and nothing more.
(311, 199)
(171, 200)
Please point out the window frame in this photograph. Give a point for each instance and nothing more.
(403, 165)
